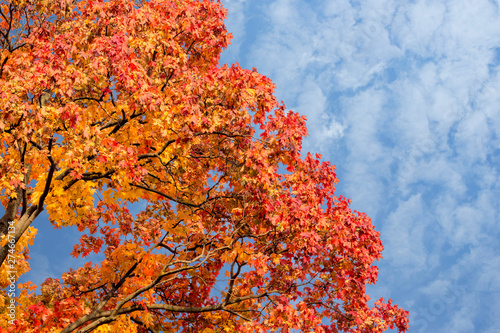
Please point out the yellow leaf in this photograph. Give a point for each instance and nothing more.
(251, 92)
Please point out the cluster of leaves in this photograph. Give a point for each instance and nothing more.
(107, 103)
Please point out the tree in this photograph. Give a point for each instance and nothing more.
(107, 103)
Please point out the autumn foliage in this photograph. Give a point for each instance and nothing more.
(108, 103)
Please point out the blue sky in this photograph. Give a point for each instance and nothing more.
(404, 98)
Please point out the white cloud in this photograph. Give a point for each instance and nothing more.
(403, 234)
(322, 125)
(473, 135)
(418, 24)
(235, 24)
(462, 320)
(493, 322)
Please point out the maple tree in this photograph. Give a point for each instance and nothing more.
(107, 103)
